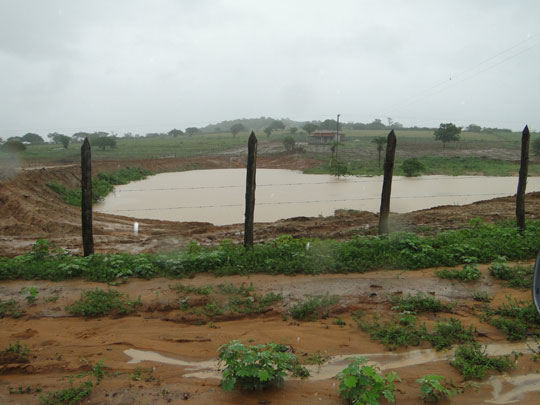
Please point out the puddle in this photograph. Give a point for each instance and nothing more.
(522, 385)
(386, 360)
(217, 196)
(505, 389)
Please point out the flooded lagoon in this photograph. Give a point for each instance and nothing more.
(217, 196)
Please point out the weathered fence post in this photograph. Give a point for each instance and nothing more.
(522, 183)
(250, 190)
(387, 182)
(86, 198)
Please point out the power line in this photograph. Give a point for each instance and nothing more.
(428, 91)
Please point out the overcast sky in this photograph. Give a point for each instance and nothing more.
(144, 66)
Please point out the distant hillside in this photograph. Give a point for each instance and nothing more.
(256, 124)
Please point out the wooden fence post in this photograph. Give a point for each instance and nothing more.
(86, 198)
(387, 182)
(522, 183)
(250, 190)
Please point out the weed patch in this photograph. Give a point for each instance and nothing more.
(467, 273)
(10, 308)
(15, 353)
(313, 308)
(449, 332)
(419, 303)
(515, 277)
(400, 331)
(472, 362)
(100, 303)
(515, 318)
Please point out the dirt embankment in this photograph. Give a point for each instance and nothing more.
(30, 210)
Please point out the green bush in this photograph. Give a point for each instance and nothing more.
(432, 388)
(402, 330)
(449, 332)
(517, 276)
(419, 303)
(99, 302)
(468, 273)
(412, 167)
(360, 384)
(256, 367)
(68, 396)
(313, 307)
(472, 362)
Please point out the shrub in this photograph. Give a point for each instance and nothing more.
(255, 367)
(412, 167)
(432, 389)
(15, 353)
(13, 146)
(472, 362)
(419, 303)
(360, 384)
(313, 307)
(517, 276)
(448, 332)
(468, 273)
(99, 302)
(399, 331)
(69, 396)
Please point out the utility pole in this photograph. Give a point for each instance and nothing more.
(337, 134)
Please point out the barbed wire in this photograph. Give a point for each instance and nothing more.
(310, 202)
(282, 184)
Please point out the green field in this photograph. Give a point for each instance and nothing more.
(476, 153)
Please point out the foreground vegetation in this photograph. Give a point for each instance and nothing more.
(479, 243)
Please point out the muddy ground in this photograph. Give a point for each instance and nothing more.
(182, 365)
(30, 210)
(62, 345)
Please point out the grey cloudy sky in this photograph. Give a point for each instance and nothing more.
(144, 66)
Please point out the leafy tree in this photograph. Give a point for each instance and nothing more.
(103, 142)
(175, 132)
(376, 124)
(79, 136)
(32, 138)
(60, 139)
(276, 125)
(192, 131)
(293, 130)
(289, 143)
(412, 167)
(380, 141)
(13, 146)
(268, 131)
(447, 133)
(473, 128)
(329, 124)
(310, 127)
(237, 128)
(536, 146)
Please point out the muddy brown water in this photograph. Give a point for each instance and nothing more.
(217, 196)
